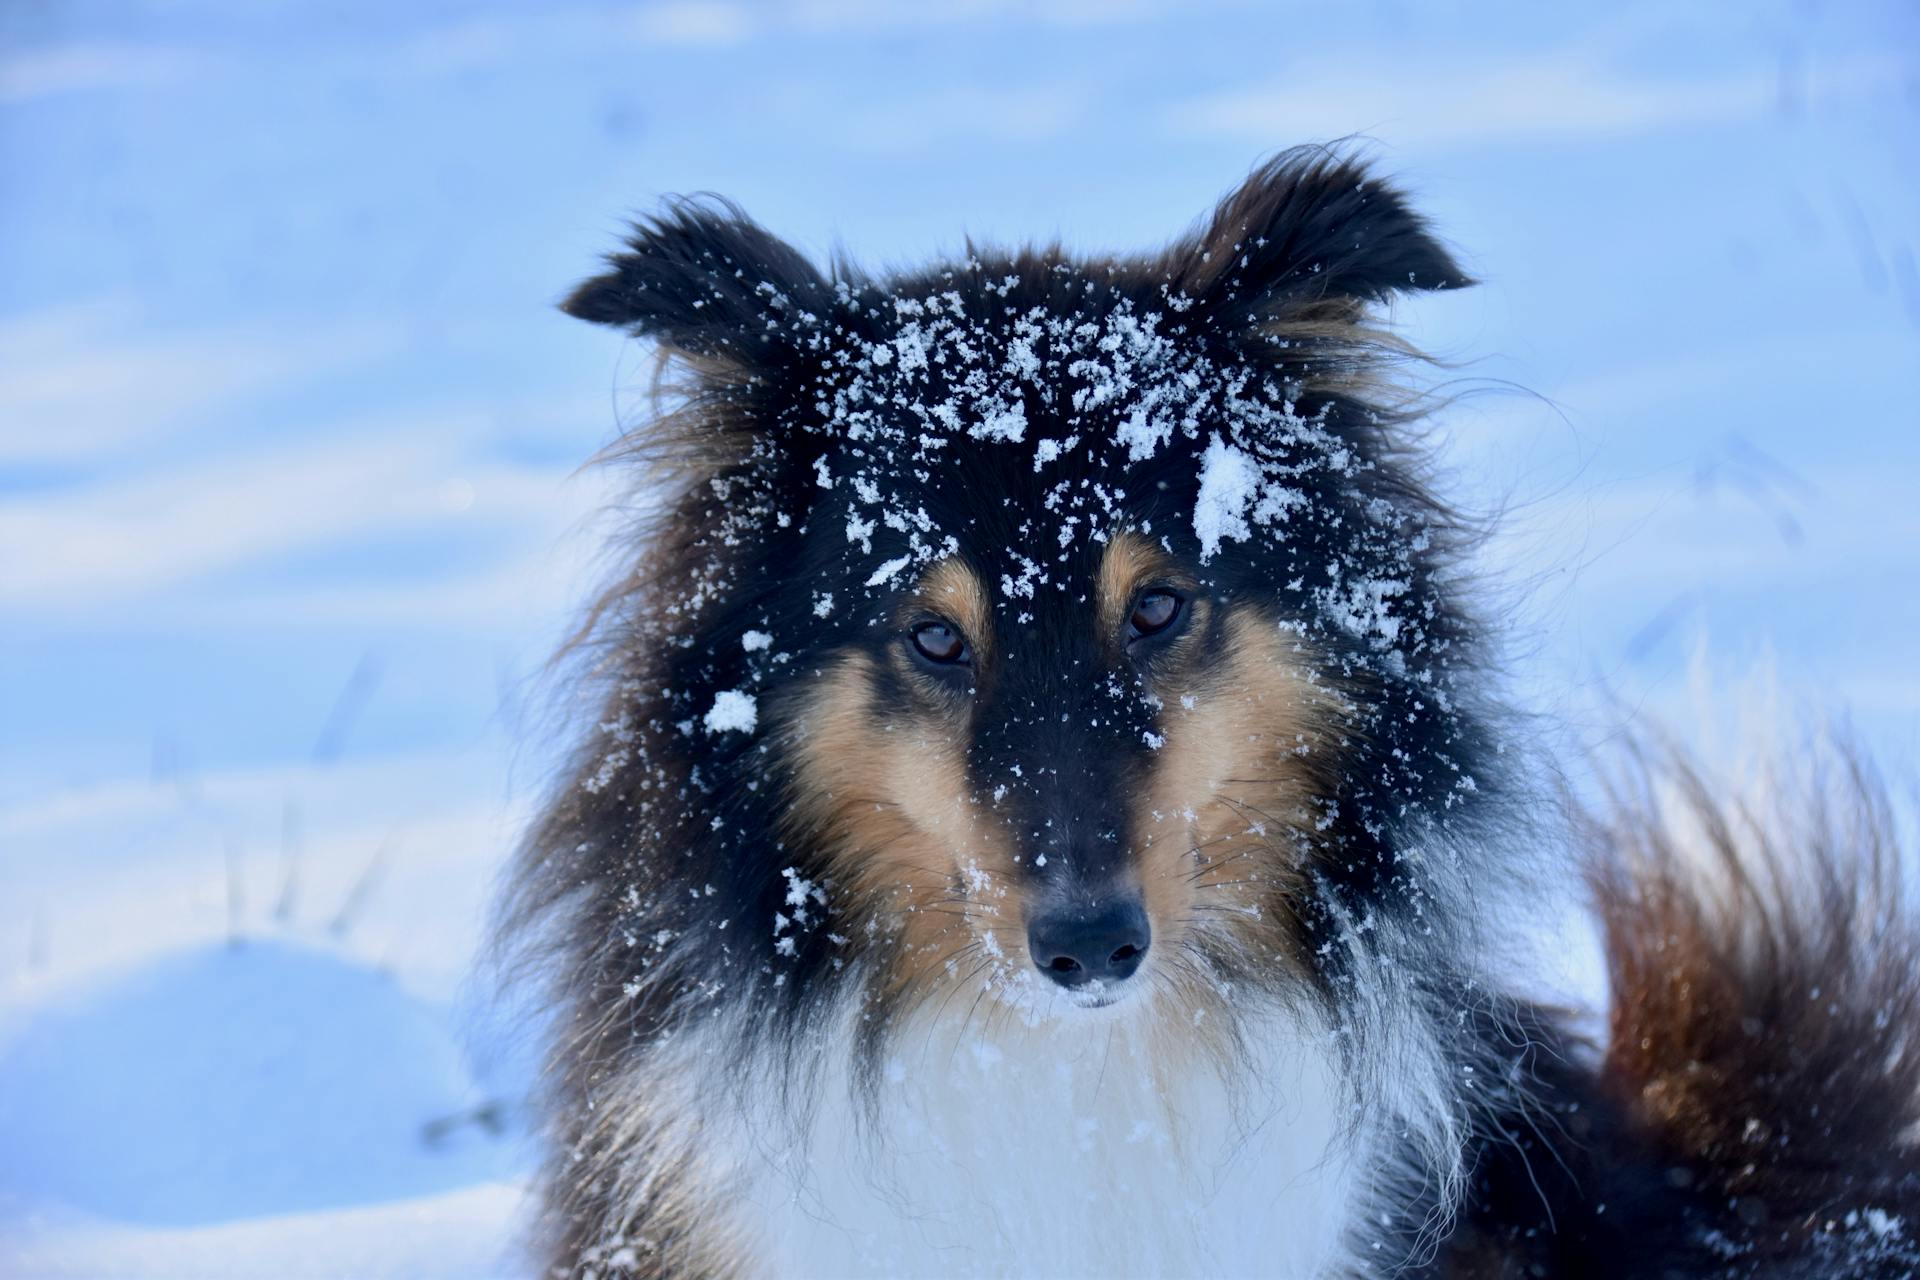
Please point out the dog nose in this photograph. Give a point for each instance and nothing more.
(1104, 944)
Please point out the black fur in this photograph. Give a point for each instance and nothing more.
(702, 278)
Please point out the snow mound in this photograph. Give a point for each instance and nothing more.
(228, 1083)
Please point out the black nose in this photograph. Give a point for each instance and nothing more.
(1076, 947)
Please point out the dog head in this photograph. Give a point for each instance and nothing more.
(1073, 628)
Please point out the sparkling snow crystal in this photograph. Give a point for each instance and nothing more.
(1229, 480)
(733, 710)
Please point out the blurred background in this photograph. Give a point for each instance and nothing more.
(291, 511)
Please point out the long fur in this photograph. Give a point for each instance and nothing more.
(1754, 1109)
(796, 1030)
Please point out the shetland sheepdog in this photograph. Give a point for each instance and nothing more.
(1048, 809)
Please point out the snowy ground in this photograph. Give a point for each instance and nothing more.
(217, 1061)
(288, 426)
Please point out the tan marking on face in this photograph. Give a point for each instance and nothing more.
(1128, 564)
(952, 590)
(1231, 788)
(925, 867)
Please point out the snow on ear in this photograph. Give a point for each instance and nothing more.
(1307, 228)
(703, 279)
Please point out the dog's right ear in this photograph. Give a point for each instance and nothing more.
(706, 281)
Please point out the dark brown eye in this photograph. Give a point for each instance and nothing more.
(938, 642)
(1153, 613)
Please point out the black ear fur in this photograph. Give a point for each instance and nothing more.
(704, 279)
(1308, 226)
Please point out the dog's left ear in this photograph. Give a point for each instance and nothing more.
(1310, 233)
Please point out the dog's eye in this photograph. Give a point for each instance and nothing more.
(941, 643)
(1153, 613)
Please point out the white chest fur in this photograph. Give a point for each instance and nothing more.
(1084, 1147)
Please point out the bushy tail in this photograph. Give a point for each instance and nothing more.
(1765, 1021)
